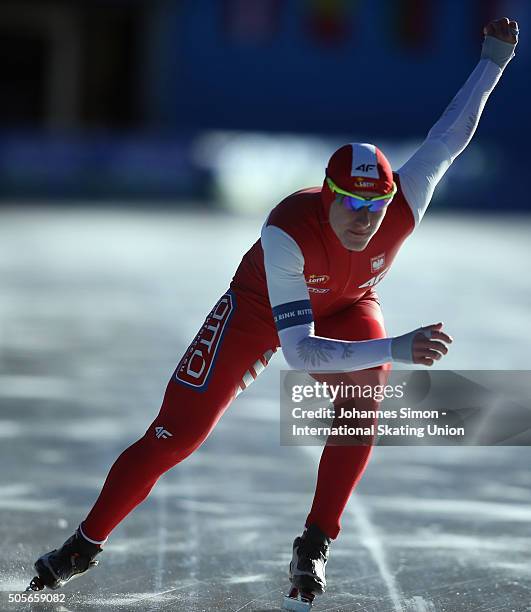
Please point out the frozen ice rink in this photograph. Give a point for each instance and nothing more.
(96, 309)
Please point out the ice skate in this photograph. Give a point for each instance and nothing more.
(59, 566)
(307, 569)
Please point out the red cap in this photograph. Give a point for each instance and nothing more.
(360, 167)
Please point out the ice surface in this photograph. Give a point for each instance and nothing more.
(96, 308)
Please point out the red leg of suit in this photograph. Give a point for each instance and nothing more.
(231, 348)
(341, 467)
(227, 354)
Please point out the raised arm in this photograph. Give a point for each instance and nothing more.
(292, 312)
(454, 130)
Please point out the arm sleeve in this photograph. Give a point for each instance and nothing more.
(292, 312)
(454, 130)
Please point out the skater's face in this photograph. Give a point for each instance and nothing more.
(355, 228)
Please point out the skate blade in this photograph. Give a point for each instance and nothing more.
(297, 602)
(296, 605)
(36, 584)
(52, 581)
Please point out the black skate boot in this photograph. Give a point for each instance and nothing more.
(56, 568)
(307, 569)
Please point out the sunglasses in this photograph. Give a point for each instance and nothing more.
(356, 202)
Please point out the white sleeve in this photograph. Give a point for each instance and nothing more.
(453, 131)
(293, 315)
(284, 267)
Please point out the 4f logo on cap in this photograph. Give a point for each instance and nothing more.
(364, 161)
(378, 262)
(365, 167)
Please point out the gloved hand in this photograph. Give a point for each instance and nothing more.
(424, 345)
(503, 29)
(501, 37)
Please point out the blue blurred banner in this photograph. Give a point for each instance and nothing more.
(109, 98)
(133, 166)
(386, 69)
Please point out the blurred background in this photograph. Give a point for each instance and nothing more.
(235, 103)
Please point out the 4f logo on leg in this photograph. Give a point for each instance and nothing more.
(162, 433)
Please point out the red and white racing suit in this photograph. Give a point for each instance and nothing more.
(296, 281)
